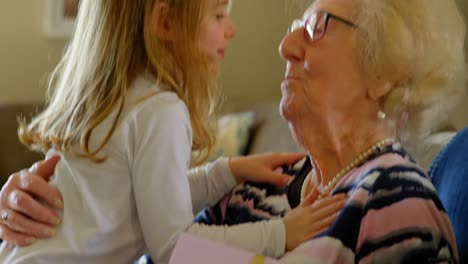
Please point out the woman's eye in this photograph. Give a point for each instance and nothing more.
(220, 16)
(318, 30)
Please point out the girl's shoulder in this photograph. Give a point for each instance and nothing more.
(145, 87)
(147, 97)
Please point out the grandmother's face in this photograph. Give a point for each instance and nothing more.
(323, 73)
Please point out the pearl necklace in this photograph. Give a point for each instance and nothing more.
(331, 184)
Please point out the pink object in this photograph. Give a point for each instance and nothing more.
(194, 250)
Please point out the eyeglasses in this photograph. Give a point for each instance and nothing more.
(316, 25)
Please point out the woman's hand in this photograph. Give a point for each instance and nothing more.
(263, 167)
(311, 218)
(26, 203)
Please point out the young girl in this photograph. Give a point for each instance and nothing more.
(134, 94)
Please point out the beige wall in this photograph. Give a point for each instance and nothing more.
(26, 54)
(252, 71)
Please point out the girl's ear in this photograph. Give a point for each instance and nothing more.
(163, 25)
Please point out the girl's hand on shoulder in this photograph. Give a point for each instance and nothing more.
(25, 205)
(263, 167)
(311, 218)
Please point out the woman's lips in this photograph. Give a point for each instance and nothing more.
(290, 77)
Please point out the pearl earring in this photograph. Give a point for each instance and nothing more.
(381, 115)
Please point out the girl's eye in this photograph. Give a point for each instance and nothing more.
(220, 16)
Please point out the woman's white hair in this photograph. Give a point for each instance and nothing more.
(418, 46)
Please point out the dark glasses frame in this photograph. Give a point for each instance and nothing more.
(310, 24)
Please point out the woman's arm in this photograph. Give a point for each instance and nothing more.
(24, 218)
(394, 214)
(405, 218)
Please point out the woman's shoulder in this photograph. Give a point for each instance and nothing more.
(391, 178)
(392, 161)
(391, 171)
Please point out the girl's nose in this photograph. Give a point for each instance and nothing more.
(231, 29)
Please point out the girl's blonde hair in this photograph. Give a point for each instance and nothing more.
(418, 45)
(114, 42)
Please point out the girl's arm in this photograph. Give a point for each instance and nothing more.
(265, 237)
(209, 183)
(250, 218)
(159, 144)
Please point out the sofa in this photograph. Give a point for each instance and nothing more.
(449, 173)
(266, 132)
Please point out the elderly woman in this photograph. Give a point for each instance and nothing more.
(362, 77)
(365, 78)
(365, 81)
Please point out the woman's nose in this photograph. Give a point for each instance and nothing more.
(289, 48)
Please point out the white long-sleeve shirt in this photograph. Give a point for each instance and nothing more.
(140, 199)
